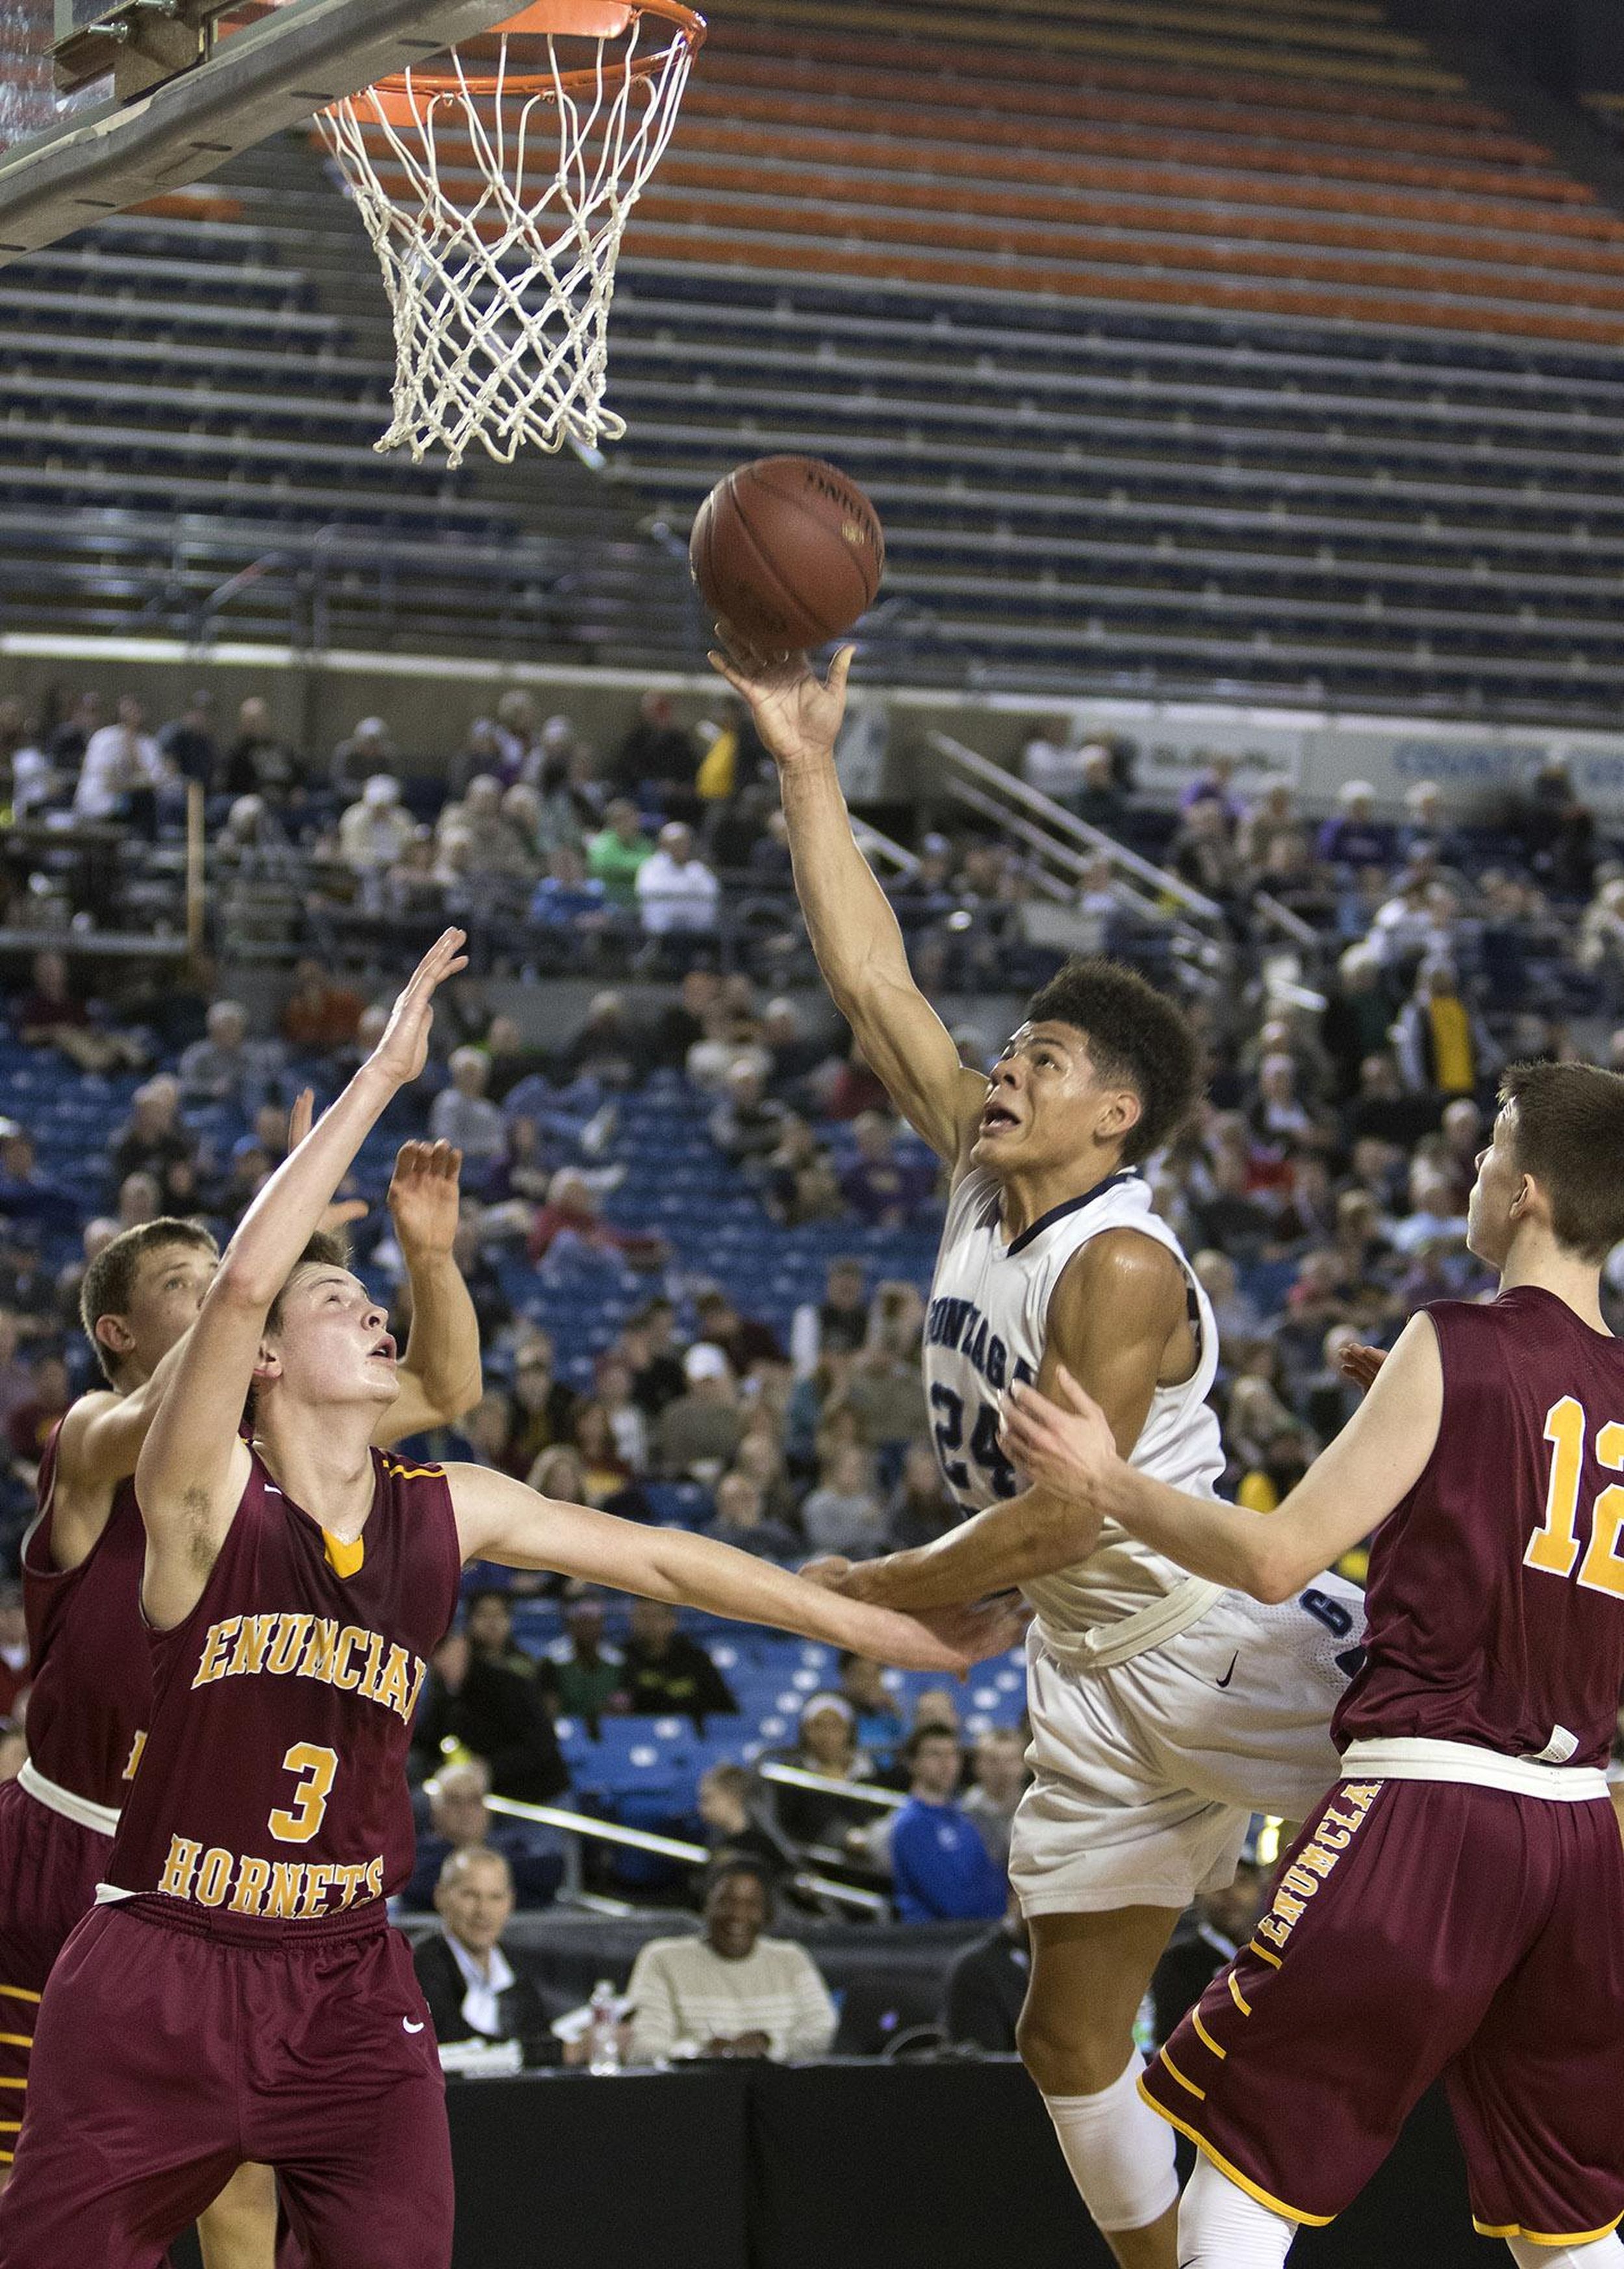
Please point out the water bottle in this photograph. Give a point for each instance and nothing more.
(604, 2029)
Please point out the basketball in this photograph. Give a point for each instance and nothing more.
(789, 551)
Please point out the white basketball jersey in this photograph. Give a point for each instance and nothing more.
(986, 1326)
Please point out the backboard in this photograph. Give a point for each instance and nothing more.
(104, 103)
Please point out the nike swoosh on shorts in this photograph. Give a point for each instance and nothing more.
(409, 2027)
(1222, 1683)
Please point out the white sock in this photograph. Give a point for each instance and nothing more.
(1220, 2226)
(1119, 2152)
(1600, 2253)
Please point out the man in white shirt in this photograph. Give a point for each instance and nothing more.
(676, 890)
(475, 1995)
(120, 759)
(732, 1993)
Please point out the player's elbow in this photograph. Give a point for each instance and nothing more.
(242, 1283)
(1268, 1571)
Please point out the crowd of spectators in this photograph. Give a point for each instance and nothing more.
(1320, 1191)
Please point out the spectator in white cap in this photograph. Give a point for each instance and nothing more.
(676, 891)
(696, 1436)
(1352, 838)
(375, 831)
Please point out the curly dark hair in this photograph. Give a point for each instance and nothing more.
(1136, 1035)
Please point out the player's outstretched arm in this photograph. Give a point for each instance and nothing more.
(853, 931)
(439, 1377)
(1349, 1490)
(1111, 1316)
(498, 1519)
(193, 1465)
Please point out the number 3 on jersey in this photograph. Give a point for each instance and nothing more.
(299, 1821)
(1554, 1546)
(984, 1450)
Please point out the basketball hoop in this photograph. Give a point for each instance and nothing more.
(496, 181)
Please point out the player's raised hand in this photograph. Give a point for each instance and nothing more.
(424, 1198)
(342, 1211)
(797, 713)
(404, 1050)
(1071, 1450)
(1360, 1363)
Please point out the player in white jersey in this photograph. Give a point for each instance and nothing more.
(1164, 1710)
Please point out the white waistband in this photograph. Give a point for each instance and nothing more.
(102, 1817)
(1459, 1761)
(1109, 1643)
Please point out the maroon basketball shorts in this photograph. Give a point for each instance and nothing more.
(50, 1867)
(1419, 1928)
(173, 2044)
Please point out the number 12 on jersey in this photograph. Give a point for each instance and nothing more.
(1553, 1548)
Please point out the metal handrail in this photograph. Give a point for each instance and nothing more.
(1058, 821)
(887, 1799)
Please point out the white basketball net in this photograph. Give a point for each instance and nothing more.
(501, 272)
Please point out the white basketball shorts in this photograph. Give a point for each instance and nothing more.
(1147, 1774)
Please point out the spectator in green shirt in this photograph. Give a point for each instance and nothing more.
(580, 1673)
(615, 854)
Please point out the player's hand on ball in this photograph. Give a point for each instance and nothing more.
(797, 714)
(1071, 1449)
(1360, 1363)
(404, 1050)
(424, 1196)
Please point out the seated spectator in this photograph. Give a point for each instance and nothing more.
(884, 1389)
(658, 751)
(16, 1378)
(1215, 785)
(187, 741)
(226, 1066)
(838, 1323)
(609, 1479)
(1052, 762)
(153, 1139)
(740, 1521)
(1443, 1048)
(879, 1725)
(463, 1115)
(734, 1827)
(488, 1619)
(33, 1420)
(667, 1674)
(998, 1766)
(1353, 838)
(322, 1013)
(1436, 1217)
(883, 1191)
(472, 1992)
(543, 1408)
(676, 892)
(732, 1992)
(571, 1222)
(459, 1820)
(650, 1348)
(53, 1016)
(476, 1704)
(28, 1195)
(746, 1340)
(520, 811)
(1203, 852)
(13, 1650)
(567, 896)
(1272, 820)
(512, 738)
(488, 844)
(746, 1124)
(920, 1508)
(122, 771)
(697, 1434)
(827, 1746)
(940, 1868)
(617, 854)
(802, 1185)
(258, 762)
(581, 1674)
(362, 754)
(1235, 1311)
(986, 1985)
(375, 831)
(843, 1514)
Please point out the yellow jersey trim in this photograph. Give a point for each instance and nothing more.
(1238, 1998)
(1195, 2019)
(17, 2040)
(1538, 2237)
(1199, 2093)
(1242, 2182)
(10, 2126)
(13, 2083)
(414, 1473)
(5, 2158)
(19, 1993)
(344, 1555)
(1263, 1954)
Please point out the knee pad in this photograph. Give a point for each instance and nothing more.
(1119, 2151)
(1221, 2226)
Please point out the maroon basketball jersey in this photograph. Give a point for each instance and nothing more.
(273, 1780)
(92, 1689)
(1496, 1600)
